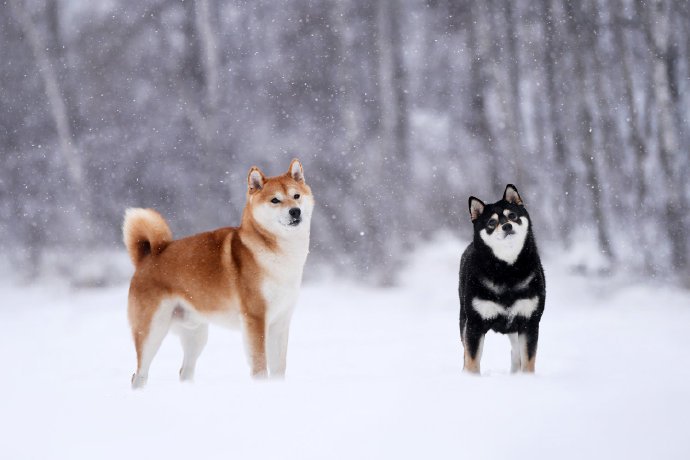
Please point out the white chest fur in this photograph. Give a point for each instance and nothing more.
(283, 276)
(490, 310)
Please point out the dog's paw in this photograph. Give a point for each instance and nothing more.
(186, 375)
(138, 381)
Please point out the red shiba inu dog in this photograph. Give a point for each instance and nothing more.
(247, 276)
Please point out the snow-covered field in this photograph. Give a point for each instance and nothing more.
(372, 373)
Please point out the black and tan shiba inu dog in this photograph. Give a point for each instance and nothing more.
(502, 284)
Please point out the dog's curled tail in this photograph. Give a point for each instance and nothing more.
(145, 232)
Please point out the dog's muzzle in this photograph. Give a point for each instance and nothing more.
(295, 216)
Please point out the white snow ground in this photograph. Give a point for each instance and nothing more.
(373, 373)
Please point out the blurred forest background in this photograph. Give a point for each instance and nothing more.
(399, 110)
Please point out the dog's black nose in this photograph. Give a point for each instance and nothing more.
(295, 212)
(507, 227)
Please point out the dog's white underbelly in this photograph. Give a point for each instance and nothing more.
(185, 314)
(490, 310)
(227, 315)
(228, 318)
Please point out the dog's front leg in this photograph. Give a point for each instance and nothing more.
(254, 331)
(515, 354)
(528, 347)
(277, 342)
(473, 343)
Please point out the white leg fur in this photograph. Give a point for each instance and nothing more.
(480, 350)
(160, 324)
(515, 353)
(193, 342)
(277, 343)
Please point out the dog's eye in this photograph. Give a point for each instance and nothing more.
(512, 216)
(296, 195)
(275, 201)
(492, 223)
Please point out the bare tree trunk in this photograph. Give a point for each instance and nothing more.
(659, 37)
(497, 87)
(58, 54)
(585, 123)
(395, 171)
(566, 203)
(392, 85)
(479, 124)
(514, 77)
(349, 109)
(208, 46)
(636, 138)
(200, 68)
(341, 16)
(58, 108)
(198, 85)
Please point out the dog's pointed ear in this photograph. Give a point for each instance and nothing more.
(476, 208)
(511, 195)
(296, 171)
(255, 180)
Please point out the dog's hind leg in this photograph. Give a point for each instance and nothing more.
(193, 341)
(149, 330)
(473, 343)
(515, 359)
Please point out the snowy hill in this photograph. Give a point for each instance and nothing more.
(372, 373)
